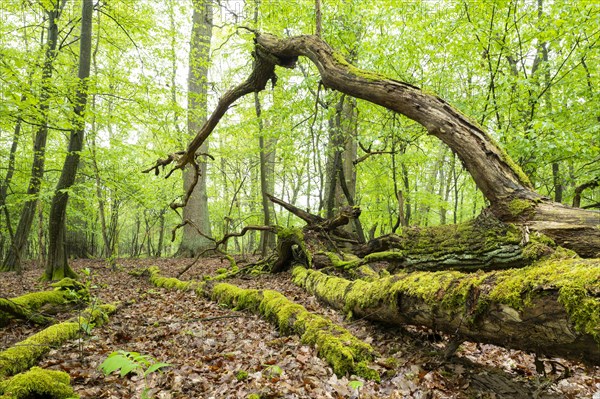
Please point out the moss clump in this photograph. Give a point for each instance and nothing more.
(575, 279)
(386, 256)
(518, 207)
(241, 375)
(38, 383)
(168, 282)
(349, 262)
(174, 283)
(221, 271)
(373, 76)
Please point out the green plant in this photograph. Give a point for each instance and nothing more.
(273, 370)
(132, 362)
(356, 385)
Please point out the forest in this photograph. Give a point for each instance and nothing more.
(299, 199)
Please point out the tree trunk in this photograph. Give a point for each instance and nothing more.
(267, 181)
(551, 308)
(196, 209)
(19, 241)
(57, 266)
(495, 174)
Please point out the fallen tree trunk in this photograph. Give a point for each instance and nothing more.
(481, 244)
(26, 353)
(552, 307)
(11, 310)
(66, 292)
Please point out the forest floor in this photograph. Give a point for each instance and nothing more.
(208, 346)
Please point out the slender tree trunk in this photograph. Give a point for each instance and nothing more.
(196, 209)
(5, 183)
(57, 266)
(19, 242)
(267, 183)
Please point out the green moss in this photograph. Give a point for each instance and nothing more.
(38, 383)
(386, 256)
(295, 235)
(518, 206)
(478, 236)
(168, 282)
(26, 353)
(222, 270)
(253, 396)
(241, 375)
(65, 290)
(511, 164)
(236, 297)
(350, 262)
(341, 60)
(575, 280)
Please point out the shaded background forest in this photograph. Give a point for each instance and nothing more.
(525, 70)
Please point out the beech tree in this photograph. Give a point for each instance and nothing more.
(196, 218)
(57, 266)
(18, 243)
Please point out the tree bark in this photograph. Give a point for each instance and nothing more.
(267, 182)
(57, 266)
(495, 174)
(196, 208)
(555, 319)
(15, 253)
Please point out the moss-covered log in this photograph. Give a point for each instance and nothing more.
(11, 310)
(551, 307)
(26, 353)
(345, 353)
(38, 383)
(30, 306)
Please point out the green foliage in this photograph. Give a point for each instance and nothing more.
(543, 113)
(131, 362)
